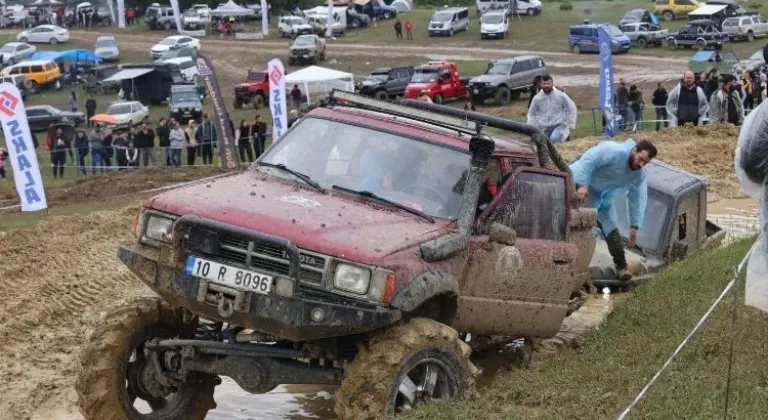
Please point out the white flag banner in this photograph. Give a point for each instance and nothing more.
(277, 104)
(264, 18)
(111, 11)
(177, 15)
(329, 20)
(121, 14)
(21, 149)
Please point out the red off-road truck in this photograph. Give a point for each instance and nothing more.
(438, 79)
(353, 252)
(255, 90)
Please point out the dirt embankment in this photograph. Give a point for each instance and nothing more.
(707, 151)
(101, 187)
(54, 278)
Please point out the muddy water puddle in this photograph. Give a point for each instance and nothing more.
(316, 402)
(739, 217)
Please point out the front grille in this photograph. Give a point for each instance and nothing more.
(301, 51)
(271, 259)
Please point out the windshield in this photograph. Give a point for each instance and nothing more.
(152, 12)
(189, 96)
(424, 75)
(442, 17)
(7, 48)
(649, 236)
(492, 19)
(731, 22)
(304, 40)
(500, 68)
(190, 13)
(168, 41)
(105, 43)
(634, 14)
(414, 173)
(256, 76)
(378, 77)
(613, 31)
(119, 109)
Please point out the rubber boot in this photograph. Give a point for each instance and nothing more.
(616, 248)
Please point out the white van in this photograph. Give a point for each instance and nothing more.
(449, 21)
(524, 7)
(494, 24)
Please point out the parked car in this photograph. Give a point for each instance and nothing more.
(357, 20)
(674, 9)
(639, 16)
(47, 34)
(174, 41)
(439, 80)
(175, 52)
(584, 38)
(318, 23)
(754, 62)
(106, 48)
(41, 116)
(714, 12)
(95, 80)
(129, 113)
(506, 79)
(449, 21)
(523, 7)
(186, 66)
(293, 26)
(699, 33)
(13, 52)
(745, 27)
(494, 24)
(309, 48)
(19, 81)
(386, 82)
(160, 17)
(645, 34)
(192, 20)
(40, 73)
(375, 9)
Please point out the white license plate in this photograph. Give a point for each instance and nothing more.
(227, 275)
(476, 91)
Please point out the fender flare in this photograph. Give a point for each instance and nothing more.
(423, 287)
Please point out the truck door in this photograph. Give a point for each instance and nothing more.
(520, 287)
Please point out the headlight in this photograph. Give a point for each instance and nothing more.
(175, 110)
(158, 228)
(198, 109)
(351, 278)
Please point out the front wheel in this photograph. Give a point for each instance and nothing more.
(531, 11)
(258, 101)
(34, 87)
(115, 369)
(438, 99)
(576, 49)
(672, 44)
(750, 36)
(642, 43)
(668, 16)
(403, 367)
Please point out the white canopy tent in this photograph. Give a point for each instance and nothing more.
(231, 8)
(318, 81)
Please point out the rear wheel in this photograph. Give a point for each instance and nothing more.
(672, 44)
(99, 89)
(701, 44)
(167, 25)
(381, 95)
(259, 101)
(237, 104)
(531, 11)
(116, 370)
(668, 16)
(750, 36)
(642, 43)
(404, 367)
(24, 39)
(34, 87)
(54, 41)
(576, 49)
(438, 99)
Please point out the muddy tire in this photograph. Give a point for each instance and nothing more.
(393, 363)
(381, 95)
(642, 43)
(259, 101)
(668, 16)
(576, 49)
(113, 365)
(237, 104)
(503, 96)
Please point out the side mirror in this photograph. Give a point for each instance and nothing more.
(679, 251)
(502, 234)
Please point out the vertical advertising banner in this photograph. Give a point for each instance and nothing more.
(111, 11)
(21, 149)
(176, 15)
(606, 82)
(227, 149)
(329, 20)
(277, 105)
(121, 14)
(264, 18)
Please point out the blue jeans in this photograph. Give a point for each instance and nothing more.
(176, 157)
(81, 154)
(96, 161)
(638, 114)
(554, 133)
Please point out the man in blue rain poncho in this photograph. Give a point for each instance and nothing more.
(606, 171)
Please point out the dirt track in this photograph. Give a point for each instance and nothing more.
(54, 279)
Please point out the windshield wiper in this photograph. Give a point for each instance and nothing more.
(301, 176)
(374, 196)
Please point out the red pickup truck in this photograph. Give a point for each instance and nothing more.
(438, 79)
(255, 90)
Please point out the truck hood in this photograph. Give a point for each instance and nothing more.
(601, 267)
(186, 104)
(491, 27)
(491, 79)
(336, 223)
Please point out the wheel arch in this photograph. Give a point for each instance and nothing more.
(427, 289)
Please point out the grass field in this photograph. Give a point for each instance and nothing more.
(611, 365)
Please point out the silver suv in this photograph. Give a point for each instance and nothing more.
(309, 48)
(506, 79)
(745, 27)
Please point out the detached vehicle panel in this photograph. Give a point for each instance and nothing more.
(506, 79)
(365, 226)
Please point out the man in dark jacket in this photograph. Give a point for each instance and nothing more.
(206, 138)
(622, 102)
(163, 133)
(687, 103)
(659, 101)
(145, 143)
(119, 145)
(90, 109)
(259, 133)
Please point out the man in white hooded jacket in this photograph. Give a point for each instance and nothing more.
(552, 111)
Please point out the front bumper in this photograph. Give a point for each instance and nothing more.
(304, 57)
(482, 92)
(185, 116)
(439, 32)
(285, 318)
(491, 34)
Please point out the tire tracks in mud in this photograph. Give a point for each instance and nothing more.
(54, 278)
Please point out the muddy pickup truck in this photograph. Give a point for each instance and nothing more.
(645, 34)
(254, 91)
(306, 48)
(353, 252)
(676, 226)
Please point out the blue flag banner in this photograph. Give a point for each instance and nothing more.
(606, 81)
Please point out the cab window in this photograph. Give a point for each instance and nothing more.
(36, 69)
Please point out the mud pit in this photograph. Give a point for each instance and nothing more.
(706, 151)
